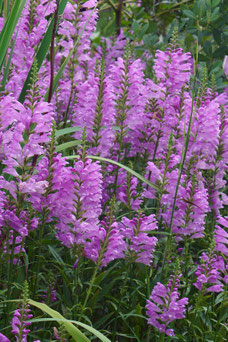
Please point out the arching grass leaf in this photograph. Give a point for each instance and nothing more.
(83, 325)
(134, 173)
(67, 130)
(76, 334)
(66, 145)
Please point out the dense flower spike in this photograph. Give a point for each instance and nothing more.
(20, 318)
(141, 246)
(25, 132)
(209, 273)
(28, 34)
(79, 19)
(113, 243)
(97, 112)
(221, 236)
(19, 324)
(173, 69)
(4, 338)
(75, 201)
(164, 305)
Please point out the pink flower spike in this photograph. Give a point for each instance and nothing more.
(3, 338)
(225, 66)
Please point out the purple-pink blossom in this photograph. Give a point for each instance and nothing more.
(164, 305)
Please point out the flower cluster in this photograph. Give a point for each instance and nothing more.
(209, 273)
(20, 323)
(165, 306)
(141, 245)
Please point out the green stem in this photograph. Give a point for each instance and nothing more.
(10, 266)
(148, 334)
(9, 273)
(41, 233)
(89, 291)
(162, 337)
(99, 261)
(122, 293)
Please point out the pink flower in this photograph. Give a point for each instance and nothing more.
(165, 306)
(209, 273)
(141, 245)
(3, 338)
(225, 65)
(221, 236)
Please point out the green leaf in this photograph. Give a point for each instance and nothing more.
(92, 330)
(66, 145)
(135, 25)
(155, 232)
(189, 14)
(83, 325)
(67, 130)
(134, 173)
(7, 68)
(215, 3)
(70, 328)
(61, 69)
(9, 28)
(56, 255)
(215, 14)
(207, 48)
(41, 53)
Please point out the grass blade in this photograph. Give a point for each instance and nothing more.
(7, 68)
(67, 130)
(66, 145)
(76, 334)
(83, 325)
(9, 28)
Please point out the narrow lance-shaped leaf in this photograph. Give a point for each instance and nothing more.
(83, 325)
(67, 130)
(76, 334)
(7, 68)
(66, 145)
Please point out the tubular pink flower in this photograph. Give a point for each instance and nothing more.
(20, 323)
(164, 306)
(3, 338)
(116, 246)
(221, 236)
(209, 273)
(140, 245)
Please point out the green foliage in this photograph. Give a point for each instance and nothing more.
(150, 26)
